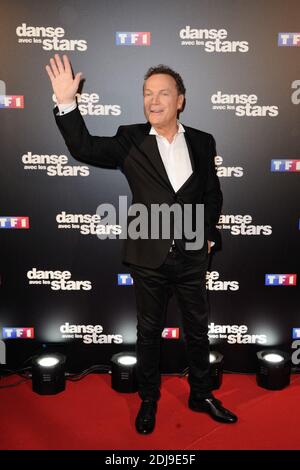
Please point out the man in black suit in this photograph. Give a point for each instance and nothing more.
(165, 163)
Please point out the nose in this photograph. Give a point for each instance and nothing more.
(155, 99)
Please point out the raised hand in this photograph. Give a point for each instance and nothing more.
(64, 85)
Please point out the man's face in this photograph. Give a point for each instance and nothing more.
(161, 100)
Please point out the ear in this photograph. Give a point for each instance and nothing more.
(180, 102)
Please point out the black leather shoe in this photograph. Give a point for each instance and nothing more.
(145, 420)
(214, 408)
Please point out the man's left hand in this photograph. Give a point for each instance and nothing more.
(208, 246)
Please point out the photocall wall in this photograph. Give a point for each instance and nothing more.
(61, 286)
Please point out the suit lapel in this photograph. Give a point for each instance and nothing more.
(188, 140)
(150, 149)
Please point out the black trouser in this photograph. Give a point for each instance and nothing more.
(153, 289)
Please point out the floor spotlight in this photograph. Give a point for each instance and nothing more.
(216, 368)
(274, 369)
(48, 374)
(123, 372)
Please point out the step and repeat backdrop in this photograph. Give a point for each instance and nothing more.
(64, 288)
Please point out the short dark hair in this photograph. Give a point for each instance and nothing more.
(167, 71)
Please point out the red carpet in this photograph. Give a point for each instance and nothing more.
(90, 415)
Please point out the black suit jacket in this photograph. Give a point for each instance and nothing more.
(136, 154)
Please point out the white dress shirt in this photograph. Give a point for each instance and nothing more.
(175, 157)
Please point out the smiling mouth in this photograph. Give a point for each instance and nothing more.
(156, 112)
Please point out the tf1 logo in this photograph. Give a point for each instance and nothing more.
(18, 333)
(133, 38)
(288, 39)
(9, 101)
(14, 222)
(125, 280)
(285, 165)
(280, 279)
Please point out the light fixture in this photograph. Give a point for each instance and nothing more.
(48, 374)
(274, 369)
(123, 372)
(216, 361)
